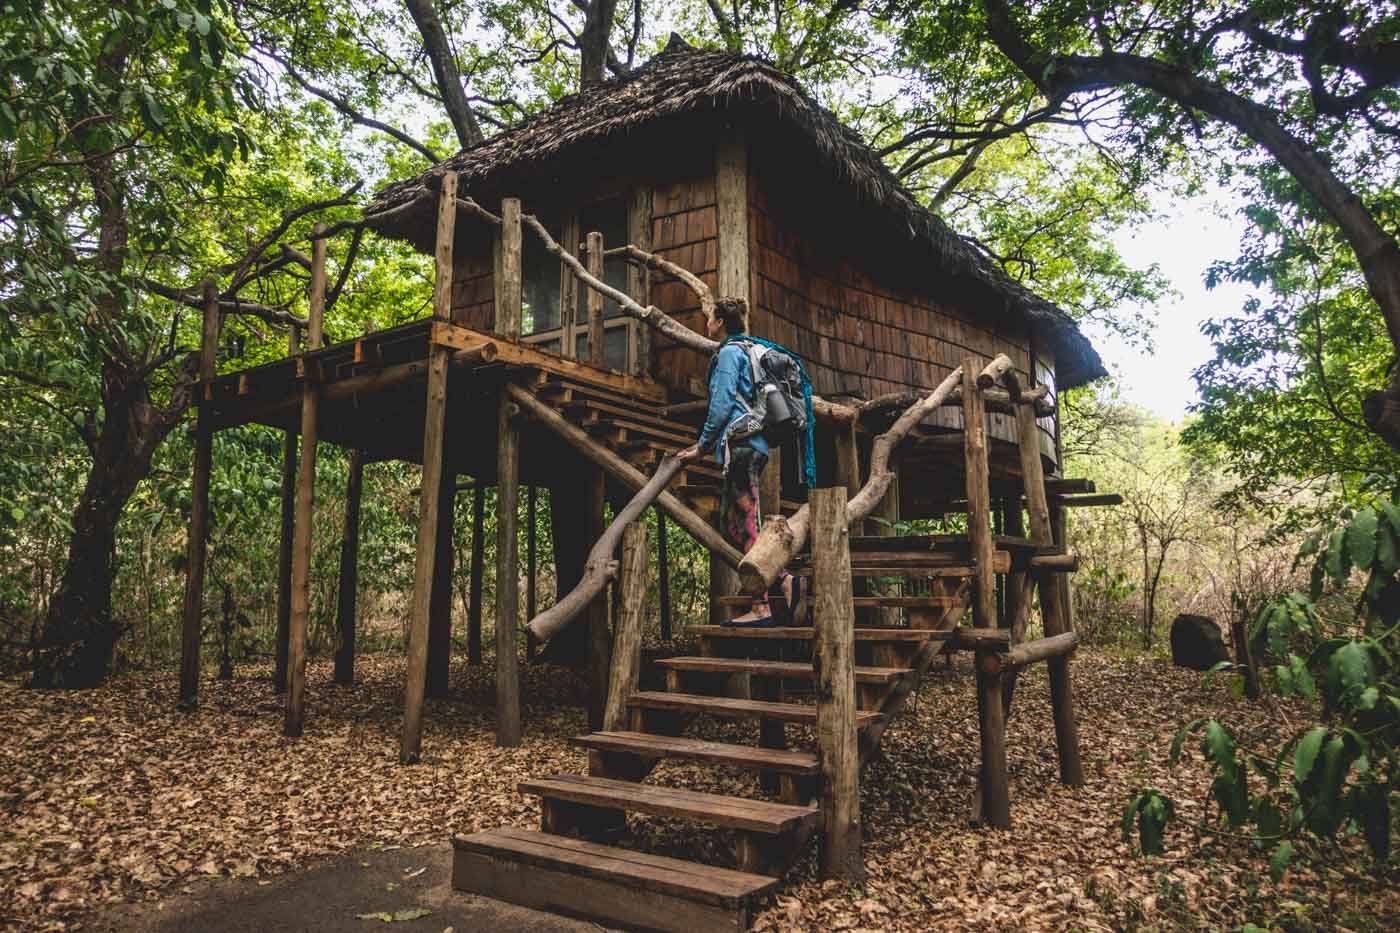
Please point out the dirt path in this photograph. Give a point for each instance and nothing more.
(330, 897)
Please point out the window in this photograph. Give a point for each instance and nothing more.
(539, 288)
(544, 322)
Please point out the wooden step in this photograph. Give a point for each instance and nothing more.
(760, 816)
(804, 633)
(903, 602)
(734, 708)
(607, 884)
(645, 745)
(761, 668)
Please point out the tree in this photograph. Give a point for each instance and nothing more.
(116, 130)
(1240, 66)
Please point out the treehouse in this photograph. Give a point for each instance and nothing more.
(577, 258)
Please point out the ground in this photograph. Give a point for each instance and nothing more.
(121, 813)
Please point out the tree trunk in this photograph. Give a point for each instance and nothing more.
(593, 42)
(79, 635)
(445, 75)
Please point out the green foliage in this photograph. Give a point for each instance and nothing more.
(1337, 777)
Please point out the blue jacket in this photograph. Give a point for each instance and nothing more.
(730, 380)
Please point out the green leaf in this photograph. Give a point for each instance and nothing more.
(1361, 539)
(1306, 754)
(1336, 560)
(1279, 863)
(1392, 515)
(1352, 668)
(1387, 550)
(1220, 745)
(1370, 807)
(1328, 809)
(1175, 754)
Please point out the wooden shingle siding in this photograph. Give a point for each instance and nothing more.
(684, 230)
(858, 337)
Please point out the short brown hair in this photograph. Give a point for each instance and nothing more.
(733, 313)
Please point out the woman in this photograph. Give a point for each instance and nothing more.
(731, 389)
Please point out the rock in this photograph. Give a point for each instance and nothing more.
(1197, 642)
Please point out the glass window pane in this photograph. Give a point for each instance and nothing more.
(610, 219)
(540, 286)
(614, 346)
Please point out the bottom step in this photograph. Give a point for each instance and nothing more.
(614, 886)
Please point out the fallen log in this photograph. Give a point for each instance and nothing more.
(781, 538)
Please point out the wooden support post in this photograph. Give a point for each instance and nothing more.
(663, 571)
(192, 622)
(531, 564)
(434, 421)
(979, 518)
(507, 576)
(440, 600)
(639, 277)
(848, 463)
(306, 490)
(284, 547)
(995, 791)
(627, 639)
(599, 637)
(508, 277)
(478, 568)
(724, 581)
(594, 301)
(346, 603)
(833, 658)
(888, 513)
(1052, 596)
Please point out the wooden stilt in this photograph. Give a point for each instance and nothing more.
(979, 519)
(346, 603)
(192, 623)
(284, 547)
(1052, 606)
(434, 420)
(474, 593)
(507, 575)
(594, 299)
(531, 565)
(663, 574)
(599, 637)
(847, 463)
(440, 600)
(888, 514)
(306, 489)
(627, 640)
(833, 657)
(995, 791)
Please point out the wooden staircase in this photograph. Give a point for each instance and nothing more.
(575, 864)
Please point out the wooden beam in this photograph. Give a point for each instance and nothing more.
(459, 337)
(638, 275)
(732, 210)
(627, 639)
(531, 563)
(478, 570)
(663, 573)
(508, 278)
(594, 302)
(284, 545)
(192, 618)
(979, 518)
(1042, 649)
(295, 719)
(833, 657)
(507, 574)
(598, 643)
(440, 599)
(347, 601)
(994, 786)
(434, 421)
(622, 471)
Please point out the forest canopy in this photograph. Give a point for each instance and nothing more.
(152, 146)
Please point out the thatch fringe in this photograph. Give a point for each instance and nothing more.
(686, 82)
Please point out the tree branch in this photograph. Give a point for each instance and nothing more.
(449, 81)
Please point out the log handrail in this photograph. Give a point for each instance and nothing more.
(781, 538)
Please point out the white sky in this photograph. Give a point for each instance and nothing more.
(1184, 242)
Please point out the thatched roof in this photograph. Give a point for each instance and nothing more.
(686, 82)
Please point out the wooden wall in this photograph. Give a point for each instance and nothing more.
(684, 229)
(859, 336)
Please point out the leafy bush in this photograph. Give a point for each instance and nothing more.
(1336, 644)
